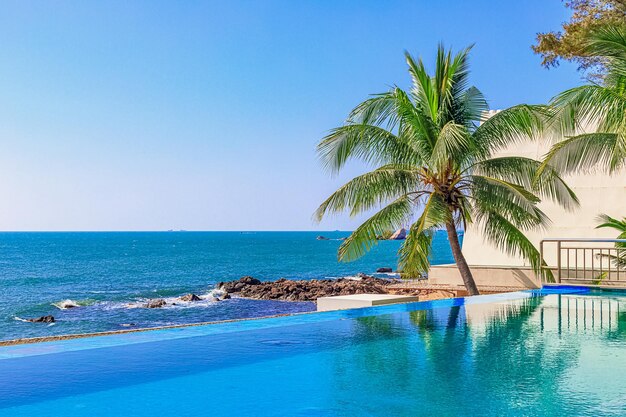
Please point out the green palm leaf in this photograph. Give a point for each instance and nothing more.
(415, 251)
(371, 190)
(365, 236)
(586, 152)
(592, 118)
(544, 180)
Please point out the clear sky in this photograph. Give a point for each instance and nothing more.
(156, 115)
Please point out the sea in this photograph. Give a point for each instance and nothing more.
(111, 275)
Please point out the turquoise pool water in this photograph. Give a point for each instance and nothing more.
(556, 351)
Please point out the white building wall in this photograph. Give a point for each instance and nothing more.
(598, 193)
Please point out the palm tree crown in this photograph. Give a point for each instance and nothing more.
(434, 168)
(601, 107)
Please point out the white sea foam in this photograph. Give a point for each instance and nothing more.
(389, 274)
(208, 299)
(353, 278)
(65, 304)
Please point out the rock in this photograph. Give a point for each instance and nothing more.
(399, 234)
(158, 303)
(226, 296)
(249, 280)
(290, 290)
(190, 297)
(42, 319)
(236, 286)
(384, 270)
(322, 238)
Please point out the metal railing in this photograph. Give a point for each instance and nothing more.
(592, 261)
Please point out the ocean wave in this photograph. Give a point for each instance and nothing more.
(208, 299)
(66, 304)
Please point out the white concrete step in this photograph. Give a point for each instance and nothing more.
(342, 302)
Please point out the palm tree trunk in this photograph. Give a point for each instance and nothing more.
(461, 263)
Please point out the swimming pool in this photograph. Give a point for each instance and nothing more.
(556, 351)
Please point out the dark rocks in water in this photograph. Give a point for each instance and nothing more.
(190, 297)
(42, 319)
(288, 290)
(249, 280)
(158, 303)
(384, 270)
(322, 238)
(226, 296)
(238, 285)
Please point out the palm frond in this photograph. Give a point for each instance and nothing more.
(613, 223)
(526, 172)
(418, 128)
(607, 41)
(369, 143)
(423, 90)
(415, 251)
(618, 225)
(508, 238)
(512, 201)
(378, 110)
(588, 106)
(371, 190)
(587, 151)
(508, 127)
(453, 144)
(391, 217)
(471, 108)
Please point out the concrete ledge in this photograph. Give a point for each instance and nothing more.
(343, 302)
(500, 276)
(606, 286)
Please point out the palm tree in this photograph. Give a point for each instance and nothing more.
(431, 156)
(619, 260)
(601, 106)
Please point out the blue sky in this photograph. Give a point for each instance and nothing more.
(155, 115)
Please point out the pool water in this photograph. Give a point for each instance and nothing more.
(558, 351)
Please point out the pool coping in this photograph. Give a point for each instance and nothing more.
(18, 348)
(71, 336)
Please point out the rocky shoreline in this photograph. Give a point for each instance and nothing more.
(279, 290)
(304, 290)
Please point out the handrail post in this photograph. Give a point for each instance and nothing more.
(541, 267)
(558, 261)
